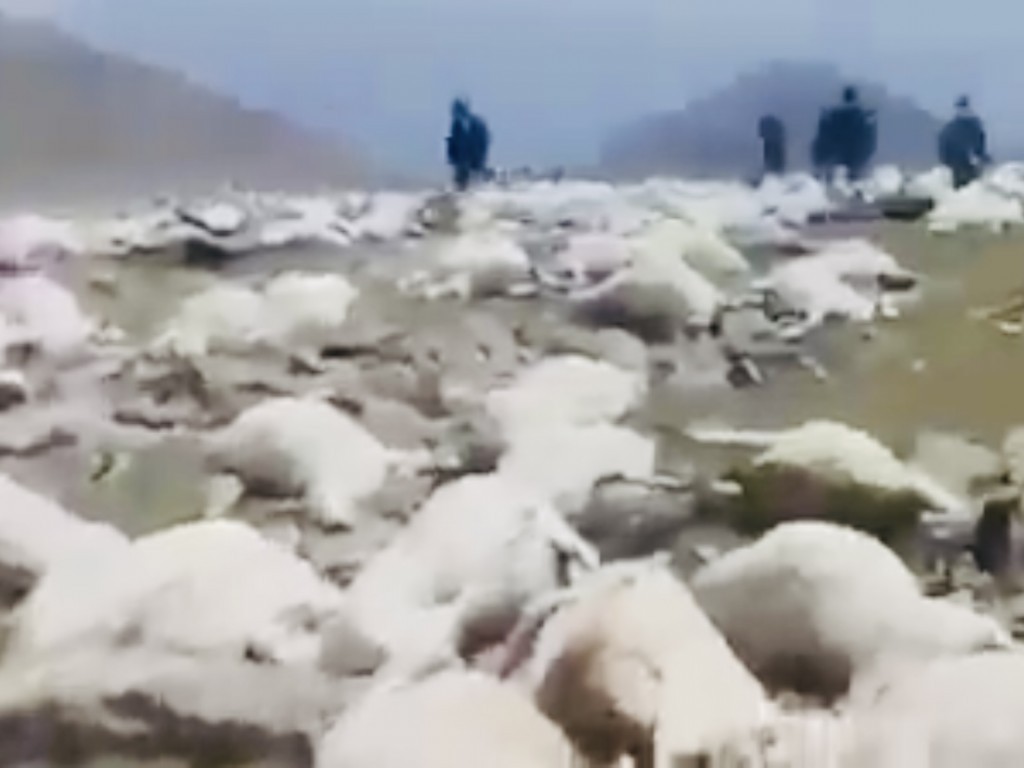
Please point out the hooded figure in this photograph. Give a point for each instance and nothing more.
(772, 133)
(468, 145)
(962, 144)
(847, 136)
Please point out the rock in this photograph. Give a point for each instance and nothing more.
(451, 720)
(629, 664)
(480, 547)
(37, 535)
(214, 589)
(307, 448)
(950, 713)
(818, 608)
(145, 706)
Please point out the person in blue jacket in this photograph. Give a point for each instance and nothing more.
(469, 143)
(847, 136)
(963, 144)
(772, 132)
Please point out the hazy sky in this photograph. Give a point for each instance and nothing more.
(553, 76)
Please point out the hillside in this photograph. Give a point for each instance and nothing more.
(76, 121)
(717, 135)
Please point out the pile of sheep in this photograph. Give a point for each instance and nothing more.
(439, 529)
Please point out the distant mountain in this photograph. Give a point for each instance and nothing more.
(717, 135)
(75, 121)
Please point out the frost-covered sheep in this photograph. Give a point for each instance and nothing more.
(37, 535)
(884, 181)
(976, 205)
(591, 256)
(566, 389)
(304, 220)
(307, 307)
(831, 471)
(841, 280)
(303, 447)
(474, 264)
(292, 309)
(629, 664)
(223, 318)
(478, 550)
(564, 463)
(388, 217)
(934, 184)
(701, 248)
(793, 199)
(450, 720)
(819, 608)
(950, 713)
(213, 589)
(40, 312)
(30, 241)
(656, 284)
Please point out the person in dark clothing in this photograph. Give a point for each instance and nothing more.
(962, 145)
(772, 133)
(469, 142)
(847, 136)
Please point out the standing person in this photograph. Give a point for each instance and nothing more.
(962, 144)
(847, 136)
(469, 142)
(772, 133)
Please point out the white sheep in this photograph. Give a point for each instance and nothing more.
(30, 241)
(472, 264)
(822, 607)
(701, 248)
(37, 535)
(627, 663)
(292, 309)
(39, 311)
(979, 204)
(564, 463)
(214, 588)
(480, 548)
(450, 720)
(946, 714)
(303, 447)
(567, 389)
(839, 454)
